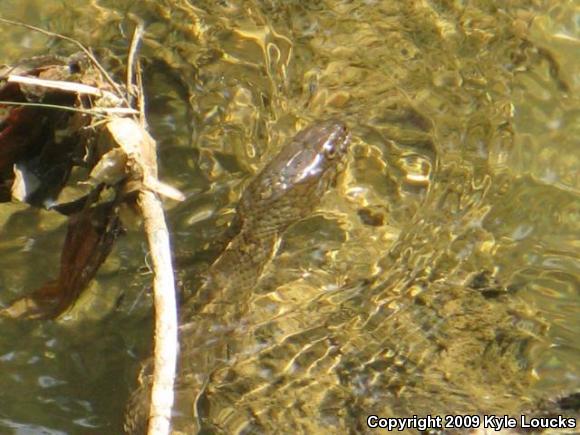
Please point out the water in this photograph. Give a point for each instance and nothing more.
(464, 163)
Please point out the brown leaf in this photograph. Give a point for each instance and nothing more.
(89, 240)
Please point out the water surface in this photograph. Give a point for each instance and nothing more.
(464, 166)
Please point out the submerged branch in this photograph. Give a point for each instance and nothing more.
(139, 149)
(165, 314)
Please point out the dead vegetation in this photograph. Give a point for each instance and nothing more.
(66, 124)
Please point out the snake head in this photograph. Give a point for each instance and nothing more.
(293, 183)
(314, 155)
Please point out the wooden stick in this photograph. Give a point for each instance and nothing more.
(95, 111)
(65, 86)
(132, 58)
(139, 148)
(166, 338)
(165, 314)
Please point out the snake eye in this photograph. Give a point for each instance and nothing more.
(330, 152)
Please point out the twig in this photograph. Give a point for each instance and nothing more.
(166, 338)
(95, 111)
(132, 59)
(140, 98)
(63, 85)
(139, 148)
(165, 314)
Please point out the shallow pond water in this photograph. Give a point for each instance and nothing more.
(440, 275)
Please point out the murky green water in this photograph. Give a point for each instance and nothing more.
(464, 160)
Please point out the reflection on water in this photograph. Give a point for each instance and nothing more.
(439, 276)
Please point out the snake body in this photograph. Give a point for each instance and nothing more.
(288, 189)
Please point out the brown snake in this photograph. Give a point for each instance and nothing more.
(287, 190)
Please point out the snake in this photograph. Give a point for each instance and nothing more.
(286, 190)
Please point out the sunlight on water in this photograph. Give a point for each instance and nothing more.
(440, 275)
